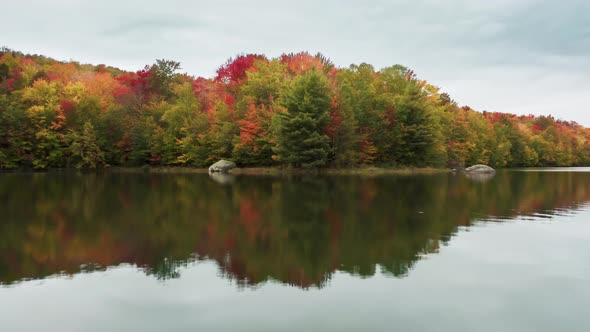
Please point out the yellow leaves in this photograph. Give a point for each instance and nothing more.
(36, 110)
(75, 91)
(41, 116)
(9, 60)
(43, 92)
(46, 111)
(432, 90)
(29, 70)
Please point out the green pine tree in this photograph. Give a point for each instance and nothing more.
(301, 138)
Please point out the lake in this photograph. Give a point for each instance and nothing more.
(118, 251)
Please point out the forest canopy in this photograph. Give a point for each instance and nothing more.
(296, 110)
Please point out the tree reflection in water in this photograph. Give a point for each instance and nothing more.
(297, 230)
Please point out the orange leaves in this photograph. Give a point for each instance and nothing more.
(253, 124)
(249, 127)
(104, 86)
(209, 93)
(62, 72)
(301, 62)
(59, 119)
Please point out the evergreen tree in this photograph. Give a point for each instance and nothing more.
(302, 142)
(413, 131)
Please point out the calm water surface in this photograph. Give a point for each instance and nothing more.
(162, 252)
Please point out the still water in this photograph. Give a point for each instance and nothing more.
(160, 252)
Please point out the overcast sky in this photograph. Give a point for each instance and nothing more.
(519, 56)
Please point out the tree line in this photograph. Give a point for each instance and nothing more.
(296, 110)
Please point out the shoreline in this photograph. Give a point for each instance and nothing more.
(256, 171)
(280, 171)
(285, 171)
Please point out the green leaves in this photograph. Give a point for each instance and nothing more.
(302, 142)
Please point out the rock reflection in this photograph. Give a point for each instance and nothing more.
(222, 178)
(297, 230)
(480, 177)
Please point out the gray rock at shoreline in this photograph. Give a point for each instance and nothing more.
(222, 166)
(480, 169)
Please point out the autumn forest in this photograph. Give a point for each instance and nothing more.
(297, 110)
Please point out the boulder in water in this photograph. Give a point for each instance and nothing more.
(479, 169)
(222, 166)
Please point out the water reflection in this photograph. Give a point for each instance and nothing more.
(297, 230)
(222, 178)
(480, 177)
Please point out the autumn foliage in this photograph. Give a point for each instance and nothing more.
(298, 109)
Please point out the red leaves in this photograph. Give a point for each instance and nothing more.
(210, 92)
(229, 99)
(497, 117)
(27, 61)
(202, 88)
(335, 117)
(137, 81)
(9, 84)
(66, 105)
(136, 90)
(332, 74)
(121, 91)
(234, 70)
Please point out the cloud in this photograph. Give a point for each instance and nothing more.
(150, 26)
